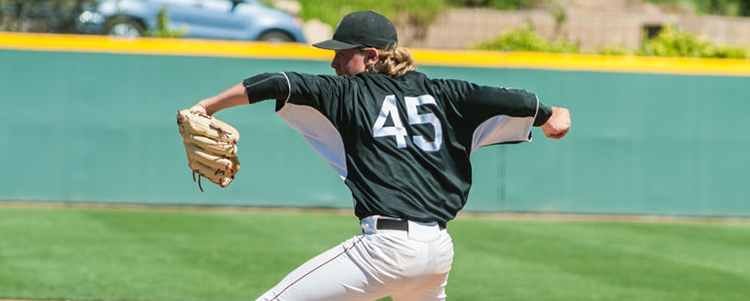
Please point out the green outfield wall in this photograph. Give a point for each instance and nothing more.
(98, 126)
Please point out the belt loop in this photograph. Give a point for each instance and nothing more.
(369, 224)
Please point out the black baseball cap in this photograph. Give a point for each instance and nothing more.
(362, 29)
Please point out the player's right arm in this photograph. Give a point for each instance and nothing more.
(558, 125)
(483, 104)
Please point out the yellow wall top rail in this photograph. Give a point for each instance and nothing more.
(194, 47)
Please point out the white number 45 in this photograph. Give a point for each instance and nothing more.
(397, 129)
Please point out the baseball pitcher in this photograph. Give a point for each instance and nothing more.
(401, 142)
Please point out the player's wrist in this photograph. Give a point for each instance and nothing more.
(201, 107)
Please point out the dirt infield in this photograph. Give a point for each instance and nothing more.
(338, 211)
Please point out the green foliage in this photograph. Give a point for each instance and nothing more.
(671, 42)
(614, 50)
(417, 12)
(56, 16)
(499, 4)
(714, 7)
(731, 52)
(162, 30)
(525, 39)
(557, 11)
(7, 16)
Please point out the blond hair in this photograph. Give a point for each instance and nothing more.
(394, 63)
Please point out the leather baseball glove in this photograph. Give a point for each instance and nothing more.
(211, 146)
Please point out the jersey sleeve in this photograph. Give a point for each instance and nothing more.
(322, 92)
(494, 115)
(266, 86)
(312, 105)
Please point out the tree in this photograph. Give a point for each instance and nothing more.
(744, 8)
(40, 15)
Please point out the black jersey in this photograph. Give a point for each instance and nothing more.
(402, 145)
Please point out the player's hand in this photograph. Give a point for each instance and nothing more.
(199, 108)
(558, 125)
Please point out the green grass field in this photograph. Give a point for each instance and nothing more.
(106, 254)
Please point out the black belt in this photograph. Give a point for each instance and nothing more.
(392, 224)
(395, 224)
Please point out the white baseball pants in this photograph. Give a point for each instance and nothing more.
(405, 265)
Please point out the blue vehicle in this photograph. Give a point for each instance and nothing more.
(204, 19)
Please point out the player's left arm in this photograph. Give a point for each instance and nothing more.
(234, 96)
(252, 90)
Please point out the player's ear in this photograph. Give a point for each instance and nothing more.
(372, 55)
